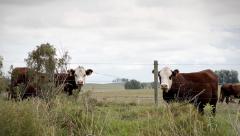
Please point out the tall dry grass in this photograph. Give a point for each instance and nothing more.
(82, 115)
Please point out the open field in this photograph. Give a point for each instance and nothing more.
(109, 110)
(117, 93)
(114, 92)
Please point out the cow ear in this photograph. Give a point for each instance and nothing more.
(89, 72)
(175, 72)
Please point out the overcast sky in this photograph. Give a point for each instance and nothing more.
(123, 32)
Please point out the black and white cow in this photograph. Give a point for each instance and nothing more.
(74, 79)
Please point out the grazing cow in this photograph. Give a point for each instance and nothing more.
(22, 77)
(199, 88)
(228, 91)
(74, 79)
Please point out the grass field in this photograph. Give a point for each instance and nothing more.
(109, 110)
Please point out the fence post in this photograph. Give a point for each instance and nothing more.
(156, 82)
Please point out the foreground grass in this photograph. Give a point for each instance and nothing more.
(65, 115)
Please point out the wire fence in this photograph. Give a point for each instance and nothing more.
(137, 96)
(137, 63)
(127, 64)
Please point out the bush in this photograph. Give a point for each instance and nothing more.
(133, 84)
(3, 84)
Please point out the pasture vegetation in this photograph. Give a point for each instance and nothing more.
(86, 115)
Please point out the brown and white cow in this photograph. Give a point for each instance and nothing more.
(229, 90)
(72, 80)
(199, 88)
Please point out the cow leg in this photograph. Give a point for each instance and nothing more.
(68, 89)
(213, 109)
(70, 92)
(232, 99)
(227, 99)
(200, 108)
(213, 103)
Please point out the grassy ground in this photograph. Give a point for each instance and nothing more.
(92, 114)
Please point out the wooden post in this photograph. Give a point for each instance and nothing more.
(156, 82)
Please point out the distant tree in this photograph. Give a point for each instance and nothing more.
(227, 76)
(133, 84)
(144, 85)
(120, 80)
(152, 85)
(1, 65)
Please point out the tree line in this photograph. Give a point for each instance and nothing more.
(224, 76)
(227, 76)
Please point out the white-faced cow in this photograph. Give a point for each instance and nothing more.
(199, 88)
(74, 79)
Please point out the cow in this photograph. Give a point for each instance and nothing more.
(72, 80)
(21, 78)
(229, 90)
(198, 88)
(29, 81)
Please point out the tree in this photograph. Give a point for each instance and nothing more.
(227, 76)
(133, 84)
(10, 70)
(63, 62)
(120, 80)
(144, 85)
(3, 81)
(43, 59)
(1, 65)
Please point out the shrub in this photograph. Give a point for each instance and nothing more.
(133, 84)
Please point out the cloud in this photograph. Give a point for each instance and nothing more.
(125, 32)
(23, 2)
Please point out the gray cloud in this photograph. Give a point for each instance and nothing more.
(23, 2)
(125, 32)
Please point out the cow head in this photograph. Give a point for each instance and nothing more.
(80, 74)
(165, 77)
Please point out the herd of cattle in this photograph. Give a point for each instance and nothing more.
(198, 88)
